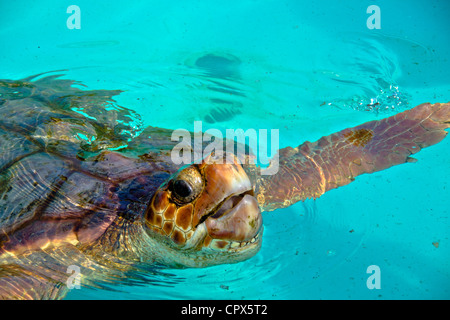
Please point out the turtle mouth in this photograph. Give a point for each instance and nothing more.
(229, 203)
(235, 221)
(233, 225)
(226, 206)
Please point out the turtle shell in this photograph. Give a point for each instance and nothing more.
(60, 180)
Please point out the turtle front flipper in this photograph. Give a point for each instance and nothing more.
(312, 169)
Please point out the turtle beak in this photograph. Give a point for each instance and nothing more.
(241, 222)
(227, 205)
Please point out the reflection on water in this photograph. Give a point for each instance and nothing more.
(220, 77)
(219, 66)
(223, 89)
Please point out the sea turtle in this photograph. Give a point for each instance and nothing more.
(84, 191)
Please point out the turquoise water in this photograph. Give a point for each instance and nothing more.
(307, 68)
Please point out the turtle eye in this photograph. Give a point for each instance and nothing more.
(186, 186)
(182, 189)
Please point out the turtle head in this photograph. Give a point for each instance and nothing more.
(207, 212)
